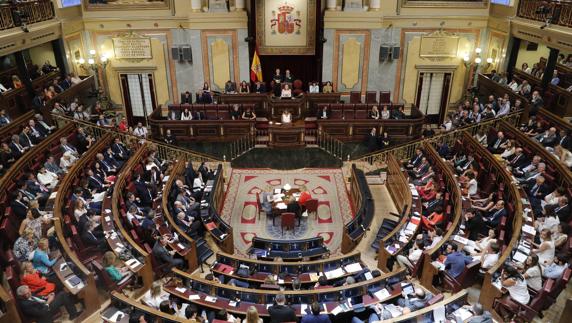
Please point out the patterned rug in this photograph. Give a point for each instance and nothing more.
(327, 185)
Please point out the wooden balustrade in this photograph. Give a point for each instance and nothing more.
(532, 9)
(488, 291)
(451, 186)
(29, 12)
(8, 308)
(176, 173)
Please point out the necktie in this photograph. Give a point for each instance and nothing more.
(98, 182)
(497, 143)
(534, 189)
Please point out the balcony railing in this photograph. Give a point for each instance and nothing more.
(17, 14)
(556, 12)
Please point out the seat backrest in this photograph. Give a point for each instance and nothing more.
(288, 219)
(370, 97)
(311, 205)
(355, 97)
(360, 114)
(435, 299)
(384, 97)
(348, 114)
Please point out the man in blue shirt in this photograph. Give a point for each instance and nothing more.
(556, 269)
(456, 261)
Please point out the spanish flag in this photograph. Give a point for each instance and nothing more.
(256, 68)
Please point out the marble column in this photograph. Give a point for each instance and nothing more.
(196, 5)
(331, 4)
(239, 5)
(374, 5)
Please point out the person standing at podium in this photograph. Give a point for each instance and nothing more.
(277, 78)
(286, 116)
(288, 78)
(286, 92)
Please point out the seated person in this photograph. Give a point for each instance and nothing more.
(244, 88)
(280, 312)
(304, 195)
(314, 87)
(161, 253)
(495, 214)
(260, 87)
(456, 261)
(37, 283)
(322, 283)
(315, 317)
(116, 274)
(324, 113)
(374, 113)
(431, 205)
(286, 92)
(327, 88)
(495, 144)
(557, 268)
(434, 219)
(44, 311)
(248, 114)
(489, 257)
(286, 116)
(513, 282)
(414, 255)
(235, 113)
(229, 87)
(473, 246)
(155, 295)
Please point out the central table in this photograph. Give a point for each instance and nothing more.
(287, 134)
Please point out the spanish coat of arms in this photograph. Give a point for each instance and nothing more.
(286, 21)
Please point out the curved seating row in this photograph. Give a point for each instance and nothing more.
(245, 297)
(363, 204)
(291, 250)
(87, 291)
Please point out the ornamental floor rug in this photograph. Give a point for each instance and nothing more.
(240, 207)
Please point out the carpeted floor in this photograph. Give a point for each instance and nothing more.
(327, 185)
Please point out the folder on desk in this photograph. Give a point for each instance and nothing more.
(334, 273)
(225, 268)
(210, 226)
(353, 268)
(382, 294)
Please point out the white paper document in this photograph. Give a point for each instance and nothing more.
(353, 268)
(194, 297)
(210, 299)
(181, 290)
(334, 273)
(382, 294)
(439, 314)
(519, 257)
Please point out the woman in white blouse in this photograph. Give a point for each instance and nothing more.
(508, 150)
(286, 116)
(384, 113)
(564, 155)
(533, 272)
(186, 115)
(67, 160)
(286, 92)
(155, 295)
(475, 248)
(545, 250)
(515, 284)
(47, 178)
(481, 137)
(374, 113)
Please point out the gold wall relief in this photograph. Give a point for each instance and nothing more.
(351, 53)
(220, 62)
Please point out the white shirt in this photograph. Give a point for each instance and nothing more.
(546, 257)
(2, 88)
(414, 255)
(286, 118)
(489, 260)
(66, 164)
(314, 89)
(473, 187)
(448, 125)
(286, 93)
(519, 292)
(140, 132)
(48, 179)
(155, 301)
(534, 279)
(75, 80)
(186, 117)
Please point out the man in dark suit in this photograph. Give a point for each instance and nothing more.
(537, 192)
(279, 312)
(143, 192)
(105, 165)
(415, 160)
(565, 139)
(186, 98)
(161, 253)
(65, 147)
(95, 182)
(430, 206)
(372, 140)
(43, 311)
(26, 138)
(119, 150)
(90, 239)
(190, 174)
(563, 210)
(495, 144)
(495, 214)
(420, 170)
(474, 224)
(18, 205)
(316, 317)
(17, 149)
(549, 138)
(518, 159)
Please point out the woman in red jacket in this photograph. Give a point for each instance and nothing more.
(304, 195)
(38, 285)
(435, 218)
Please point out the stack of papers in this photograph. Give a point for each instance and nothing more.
(281, 206)
(181, 290)
(519, 257)
(528, 229)
(353, 268)
(132, 263)
(439, 314)
(334, 273)
(194, 297)
(210, 299)
(460, 239)
(382, 294)
(462, 314)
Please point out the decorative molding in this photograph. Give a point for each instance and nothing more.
(205, 34)
(365, 57)
(443, 3)
(127, 6)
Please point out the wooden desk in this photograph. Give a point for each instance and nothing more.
(242, 306)
(313, 99)
(259, 99)
(287, 135)
(294, 105)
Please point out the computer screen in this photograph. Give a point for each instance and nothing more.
(503, 2)
(68, 3)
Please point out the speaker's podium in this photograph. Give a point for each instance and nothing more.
(286, 134)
